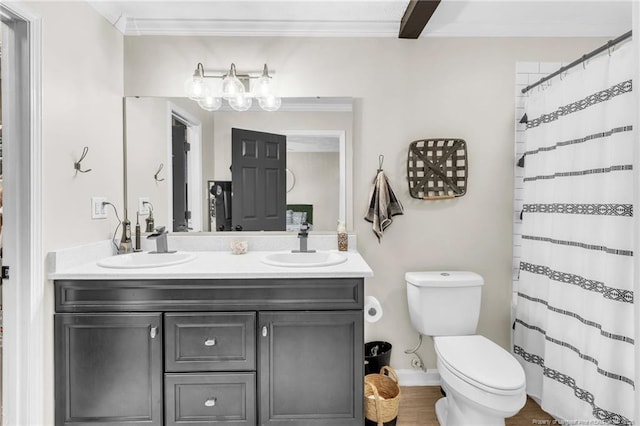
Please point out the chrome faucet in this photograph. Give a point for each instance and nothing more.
(160, 235)
(303, 236)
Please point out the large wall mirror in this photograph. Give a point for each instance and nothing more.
(179, 159)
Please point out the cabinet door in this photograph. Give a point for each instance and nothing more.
(311, 368)
(108, 369)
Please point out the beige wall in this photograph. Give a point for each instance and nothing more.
(82, 81)
(147, 147)
(317, 182)
(82, 68)
(405, 90)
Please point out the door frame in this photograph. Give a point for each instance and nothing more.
(25, 382)
(194, 166)
(636, 206)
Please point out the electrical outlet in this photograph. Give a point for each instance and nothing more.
(143, 207)
(98, 209)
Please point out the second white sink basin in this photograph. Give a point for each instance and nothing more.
(146, 260)
(308, 260)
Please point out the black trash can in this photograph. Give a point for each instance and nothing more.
(376, 356)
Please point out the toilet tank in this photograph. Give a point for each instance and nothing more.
(444, 303)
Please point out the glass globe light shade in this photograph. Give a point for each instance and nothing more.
(270, 103)
(263, 87)
(196, 88)
(240, 102)
(231, 84)
(210, 103)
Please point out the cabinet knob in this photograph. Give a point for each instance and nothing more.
(264, 331)
(154, 332)
(210, 342)
(211, 402)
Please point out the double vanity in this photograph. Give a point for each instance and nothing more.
(263, 338)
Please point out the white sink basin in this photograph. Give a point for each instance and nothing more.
(146, 260)
(307, 260)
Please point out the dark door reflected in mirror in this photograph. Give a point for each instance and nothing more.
(258, 181)
(180, 149)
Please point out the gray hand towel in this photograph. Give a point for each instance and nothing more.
(383, 205)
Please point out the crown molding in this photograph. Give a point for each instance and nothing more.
(111, 13)
(247, 28)
(445, 23)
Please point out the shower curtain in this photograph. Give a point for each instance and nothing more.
(574, 329)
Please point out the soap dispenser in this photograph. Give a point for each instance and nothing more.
(343, 237)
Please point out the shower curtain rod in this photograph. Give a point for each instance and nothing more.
(583, 58)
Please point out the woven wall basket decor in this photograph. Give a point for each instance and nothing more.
(437, 168)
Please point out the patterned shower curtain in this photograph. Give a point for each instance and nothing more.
(574, 317)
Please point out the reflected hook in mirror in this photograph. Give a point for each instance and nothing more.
(155, 176)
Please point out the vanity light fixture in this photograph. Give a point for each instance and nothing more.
(233, 88)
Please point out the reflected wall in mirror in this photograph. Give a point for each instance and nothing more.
(318, 132)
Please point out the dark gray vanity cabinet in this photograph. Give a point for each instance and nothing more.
(108, 369)
(209, 352)
(309, 364)
(210, 364)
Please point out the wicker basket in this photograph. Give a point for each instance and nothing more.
(380, 385)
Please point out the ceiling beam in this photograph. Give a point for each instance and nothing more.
(416, 16)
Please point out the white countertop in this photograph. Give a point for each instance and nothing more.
(206, 265)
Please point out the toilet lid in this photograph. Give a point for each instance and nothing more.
(478, 360)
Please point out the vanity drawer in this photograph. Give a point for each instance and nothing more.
(210, 341)
(210, 398)
(211, 295)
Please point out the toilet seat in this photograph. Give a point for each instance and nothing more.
(480, 362)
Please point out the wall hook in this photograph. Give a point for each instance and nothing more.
(380, 161)
(155, 176)
(77, 165)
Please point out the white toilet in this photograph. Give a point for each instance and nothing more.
(484, 383)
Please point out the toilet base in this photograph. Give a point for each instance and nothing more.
(450, 413)
(442, 407)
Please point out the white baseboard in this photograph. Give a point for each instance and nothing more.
(409, 377)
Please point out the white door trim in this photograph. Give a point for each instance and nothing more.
(636, 208)
(24, 356)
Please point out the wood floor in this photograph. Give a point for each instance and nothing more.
(417, 408)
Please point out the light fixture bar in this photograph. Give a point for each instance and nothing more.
(235, 88)
(220, 73)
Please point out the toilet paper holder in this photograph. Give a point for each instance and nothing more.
(372, 309)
